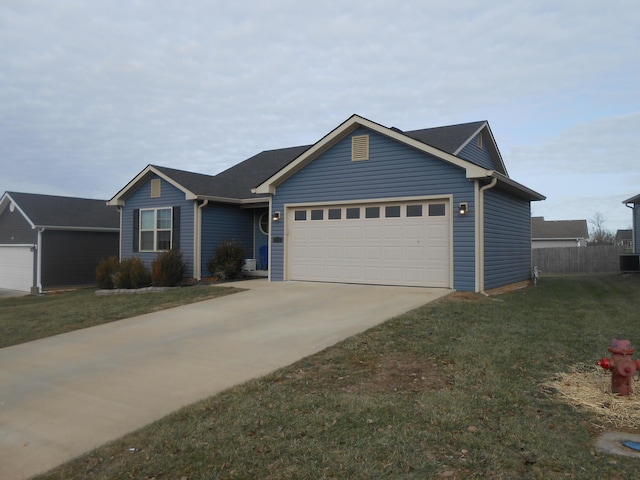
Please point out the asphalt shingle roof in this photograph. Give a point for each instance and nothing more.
(448, 138)
(541, 228)
(55, 211)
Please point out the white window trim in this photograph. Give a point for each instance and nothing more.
(155, 229)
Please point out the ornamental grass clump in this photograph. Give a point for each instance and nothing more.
(228, 260)
(107, 271)
(133, 274)
(168, 269)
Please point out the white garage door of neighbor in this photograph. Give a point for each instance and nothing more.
(16, 267)
(400, 243)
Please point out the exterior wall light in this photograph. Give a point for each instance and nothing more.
(276, 216)
(463, 208)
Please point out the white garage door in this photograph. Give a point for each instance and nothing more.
(400, 243)
(16, 267)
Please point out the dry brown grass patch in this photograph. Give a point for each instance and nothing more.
(589, 387)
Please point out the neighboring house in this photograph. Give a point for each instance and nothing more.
(50, 241)
(558, 233)
(365, 204)
(624, 238)
(634, 204)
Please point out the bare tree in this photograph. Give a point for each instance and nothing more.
(600, 235)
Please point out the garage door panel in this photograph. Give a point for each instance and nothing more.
(387, 250)
(16, 268)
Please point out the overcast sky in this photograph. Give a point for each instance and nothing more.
(93, 91)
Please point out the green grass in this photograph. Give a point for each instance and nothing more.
(23, 319)
(451, 390)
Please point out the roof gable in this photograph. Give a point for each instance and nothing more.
(347, 127)
(56, 212)
(635, 199)
(558, 229)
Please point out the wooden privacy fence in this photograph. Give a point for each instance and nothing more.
(600, 259)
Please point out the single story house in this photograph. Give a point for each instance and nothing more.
(634, 204)
(624, 239)
(364, 204)
(558, 233)
(50, 241)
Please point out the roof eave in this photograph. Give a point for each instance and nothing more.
(635, 199)
(517, 188)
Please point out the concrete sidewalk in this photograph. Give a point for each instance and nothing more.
(64, 395)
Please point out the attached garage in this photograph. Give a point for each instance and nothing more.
(17, 267)
(383, 243)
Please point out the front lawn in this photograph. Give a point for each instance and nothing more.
(23, 319)
(456, 389)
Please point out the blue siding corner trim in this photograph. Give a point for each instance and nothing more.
(393, 170)
(507, 239)
(171, 197)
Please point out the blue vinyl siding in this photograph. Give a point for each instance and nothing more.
(507, 247)
(171, 197)
(393, 170)
(222, 222)
(479, 156)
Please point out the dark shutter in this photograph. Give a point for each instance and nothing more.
(175, 229)
(136, 229)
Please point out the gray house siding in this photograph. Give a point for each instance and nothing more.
(477, 155)
(221, 222)
(170, 197)
(393, 170)
(507, 237)
(14, 229)
(71, 257)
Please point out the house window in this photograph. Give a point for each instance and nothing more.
(264, 223)
(155, 229)
(360, 148)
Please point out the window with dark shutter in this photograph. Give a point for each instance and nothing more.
(175, 236)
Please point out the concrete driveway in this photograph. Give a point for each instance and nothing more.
(64, 395)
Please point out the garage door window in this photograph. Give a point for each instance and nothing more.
(372, 212)
(392, 211)
(335, 213)
(317, 214)
(414, 210)
(437, 210)
(300, 215)
(353, 213)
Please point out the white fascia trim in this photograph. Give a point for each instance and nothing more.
(493, 143)
(6, 199)
(351, 124)
(118, 199)
(473, 135)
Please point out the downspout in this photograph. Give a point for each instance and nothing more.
(39, 261)
(633, 232)
(120, 235)
(481, 228)
(198, 260)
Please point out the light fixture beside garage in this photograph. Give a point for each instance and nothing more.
(276, 216)
(463, 208)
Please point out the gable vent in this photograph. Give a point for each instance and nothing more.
(155, 188)
(360, 148)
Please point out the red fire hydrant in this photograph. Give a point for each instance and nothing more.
(621, 365)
